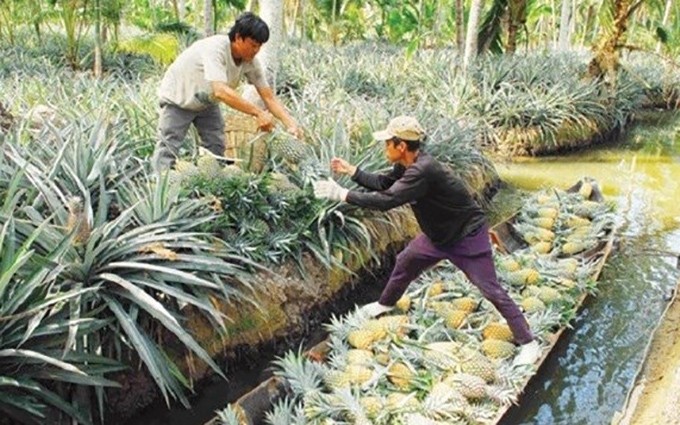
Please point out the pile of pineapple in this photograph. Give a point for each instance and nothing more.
(444, 356)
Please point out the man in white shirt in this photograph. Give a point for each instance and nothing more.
(206, 73)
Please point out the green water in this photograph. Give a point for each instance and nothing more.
(586, 379)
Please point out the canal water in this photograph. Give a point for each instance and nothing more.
(587, 377)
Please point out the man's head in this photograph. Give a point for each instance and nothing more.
(402, 137)
(247, 35)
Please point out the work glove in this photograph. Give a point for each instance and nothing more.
(329, 189)
(375, 309)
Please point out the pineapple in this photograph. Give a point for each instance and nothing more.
(574, 221)
(479, 365)
(397, 324)
(358, 375)
(442, 355)
(543, 222)
(567, 283)
(336, 379)
(586, 190)
(400, 375)
(455, 318)
(400, 402)
(290, 149)
(372, 405)
(361, 338)
(532, 304)
(497, 330)
(377, 327)
(437, 288)
(547, 212)
(576, 246)
(466, 304)
(359, 357)
(524, 277)
(549, 295)
(470, 386)
(568, 267)
(509, 264)
(587, 209)
(403, 304)
(497, 349)
(542, 247)
(209, 167)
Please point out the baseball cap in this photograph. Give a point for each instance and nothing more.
(403, 127)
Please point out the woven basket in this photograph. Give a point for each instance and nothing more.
(244, 141)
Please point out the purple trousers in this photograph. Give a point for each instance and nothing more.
(472, 255)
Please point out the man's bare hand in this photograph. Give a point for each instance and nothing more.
(265, 121)
(341, 166)
(296, 131)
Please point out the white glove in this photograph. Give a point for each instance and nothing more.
(375, 309)
(329, 189)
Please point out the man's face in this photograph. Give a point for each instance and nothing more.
(245, 48)
(394, 149)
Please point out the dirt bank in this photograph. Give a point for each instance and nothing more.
(656, 396)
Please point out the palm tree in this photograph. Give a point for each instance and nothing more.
(605, 61)
(517, 11)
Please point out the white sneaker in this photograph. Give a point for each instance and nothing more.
(528, 354)
(375, 309)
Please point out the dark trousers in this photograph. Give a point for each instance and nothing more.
(173, 125)
(473, 256)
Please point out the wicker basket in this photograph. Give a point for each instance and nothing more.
(245, 142)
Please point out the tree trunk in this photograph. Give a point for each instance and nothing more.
(181, 9)
(271, 11)
(605, 62)
(471, 36)
(460, 26)
(565, 26)
(97, 39)
(664, 21)
(209, 18)
(517, 11)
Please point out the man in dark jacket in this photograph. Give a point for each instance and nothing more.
(453, 225)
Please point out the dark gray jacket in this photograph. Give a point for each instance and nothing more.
(445, 210)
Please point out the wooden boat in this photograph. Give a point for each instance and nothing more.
(254, 404)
